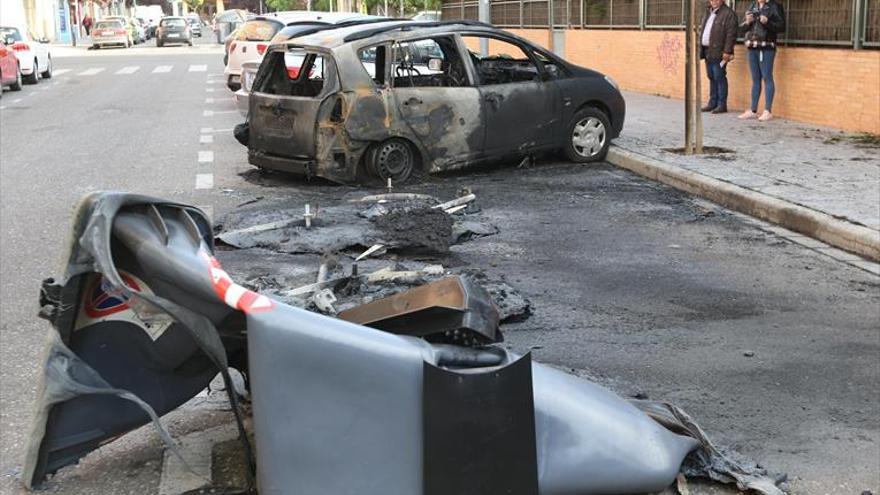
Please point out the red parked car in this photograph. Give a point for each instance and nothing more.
(10, 75)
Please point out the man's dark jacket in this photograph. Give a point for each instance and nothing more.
(723, 34)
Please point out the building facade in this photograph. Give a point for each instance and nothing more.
(827, 70)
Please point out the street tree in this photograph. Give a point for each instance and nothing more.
(194, 5)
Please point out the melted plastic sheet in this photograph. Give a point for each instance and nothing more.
(143, 316)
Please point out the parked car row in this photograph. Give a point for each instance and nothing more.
(23, 60)
(365, 99)
(119, 31)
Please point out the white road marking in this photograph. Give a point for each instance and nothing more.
(206, 156)
(92, 71)
(17, 100)
(209, 90)
(209, 100)
(204, 181)
(216, 131)
(162, 68)
(206, 129)
(198, 68)
(217, 112)
(131, 69)
(207, 113)
(58, 72)
(3, 107)
(206, 139)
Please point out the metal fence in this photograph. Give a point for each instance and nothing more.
(854, 23)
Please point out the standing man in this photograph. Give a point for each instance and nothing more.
(718, 36)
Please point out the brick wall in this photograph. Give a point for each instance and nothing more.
(829, 86)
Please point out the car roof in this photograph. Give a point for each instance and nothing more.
(305, 28)
(306, 15)
(334, 38)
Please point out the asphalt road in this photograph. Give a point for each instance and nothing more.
(772, 346)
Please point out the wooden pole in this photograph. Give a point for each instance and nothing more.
(688, 78)
(698, 86)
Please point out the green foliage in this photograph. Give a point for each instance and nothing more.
(411, 7)
(286, 4)
(194, 5)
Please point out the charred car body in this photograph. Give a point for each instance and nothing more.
(396, 99)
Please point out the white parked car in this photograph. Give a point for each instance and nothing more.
(250, 41)
(33, 56)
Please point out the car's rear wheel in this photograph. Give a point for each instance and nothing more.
(34, 76)
(393, 159)
(47, 74)
(588, 136)
(16, 86)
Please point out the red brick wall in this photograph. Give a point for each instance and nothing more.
(829, 86)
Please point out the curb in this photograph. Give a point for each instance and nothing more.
(845, 235)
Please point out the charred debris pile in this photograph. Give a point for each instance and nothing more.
(331, 258)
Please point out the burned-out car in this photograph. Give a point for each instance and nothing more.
(399, 99)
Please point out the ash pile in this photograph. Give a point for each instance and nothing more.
(333, 259)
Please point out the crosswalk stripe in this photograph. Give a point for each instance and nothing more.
(58, 72)
(198, 68)
(204, 181)
(131, 69)
(162, 68)
(92, 71)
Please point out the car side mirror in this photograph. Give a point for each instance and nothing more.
(435, 64)
(552, 71)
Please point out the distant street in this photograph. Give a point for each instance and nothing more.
(769, 344)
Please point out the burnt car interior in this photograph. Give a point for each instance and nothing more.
(505, 63)
(413, 61)
(293, 76)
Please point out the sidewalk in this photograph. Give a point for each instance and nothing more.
(818, 181)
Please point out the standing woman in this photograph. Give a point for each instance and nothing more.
(765, 19)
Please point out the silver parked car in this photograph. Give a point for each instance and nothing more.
(110, 33)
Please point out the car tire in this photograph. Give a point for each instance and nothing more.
(394, 159)
(16, 86)
(588, 136)
(33, 77)
(47, 74)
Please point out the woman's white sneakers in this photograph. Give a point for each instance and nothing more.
(748, 114)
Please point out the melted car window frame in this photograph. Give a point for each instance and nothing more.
(476, 60)
(273, 79)
(449, 77)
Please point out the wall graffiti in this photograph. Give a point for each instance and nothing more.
(669, 53)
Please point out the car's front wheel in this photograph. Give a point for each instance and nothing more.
(47, 74)
(588, 136)
(34, 76)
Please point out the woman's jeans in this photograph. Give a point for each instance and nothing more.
(761, 66)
